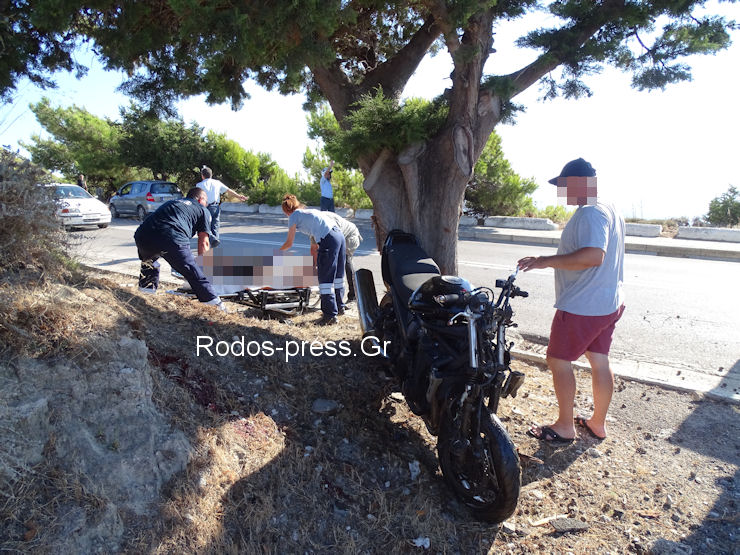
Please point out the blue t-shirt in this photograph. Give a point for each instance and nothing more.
(178, 220)
(595, 291)
(311, 222)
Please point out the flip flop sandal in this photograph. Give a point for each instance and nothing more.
(546, 433)
(582, 422)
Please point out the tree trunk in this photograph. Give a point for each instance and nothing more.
(421, 191)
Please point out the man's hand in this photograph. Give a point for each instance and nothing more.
(584, 258)
(204, 244)
(531, 263)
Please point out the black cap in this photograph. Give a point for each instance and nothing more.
(578, 167)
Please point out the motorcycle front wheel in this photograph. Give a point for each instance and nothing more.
(488, 479)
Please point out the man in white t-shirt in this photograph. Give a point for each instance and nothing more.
(214, 189)
(327, 191)
(589, 299)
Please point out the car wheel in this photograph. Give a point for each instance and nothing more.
(141, 213)
(114, 212)
(102, 226)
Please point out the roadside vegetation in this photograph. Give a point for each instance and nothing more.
(30, 234)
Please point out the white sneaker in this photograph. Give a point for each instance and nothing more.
(218, 303)
(147, 290)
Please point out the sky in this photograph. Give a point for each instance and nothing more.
(657, 154)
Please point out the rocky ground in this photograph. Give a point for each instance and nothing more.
(117, 435)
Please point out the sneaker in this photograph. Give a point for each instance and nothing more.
(326, 321)
(177, 274)
(147, 290)
(340, 312)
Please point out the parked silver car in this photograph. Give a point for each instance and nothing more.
(141, 198)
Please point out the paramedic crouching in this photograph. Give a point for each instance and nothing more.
(166, 233)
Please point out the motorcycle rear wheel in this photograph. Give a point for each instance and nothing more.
(488, 484)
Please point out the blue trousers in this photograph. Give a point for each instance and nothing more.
(180, 257)
(215, 210)
(326, 204)
(330, 262)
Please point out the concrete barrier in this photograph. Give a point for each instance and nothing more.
(273, 210)
(239, 207)
(709, 234)
(643, 230)
(364, 213)
(468, 221)
(542, 224)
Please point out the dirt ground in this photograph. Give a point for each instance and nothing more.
(319, 453)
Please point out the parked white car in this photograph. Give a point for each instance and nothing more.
(78, 208)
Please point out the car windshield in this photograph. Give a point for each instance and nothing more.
(70, 191)
(164, 188)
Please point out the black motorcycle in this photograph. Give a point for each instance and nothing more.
(446, 343)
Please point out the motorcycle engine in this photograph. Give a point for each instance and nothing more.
(425, 299)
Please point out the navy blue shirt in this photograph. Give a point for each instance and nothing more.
(177, 220)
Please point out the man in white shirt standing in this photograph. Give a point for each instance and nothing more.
(214, 189)
(327, 191)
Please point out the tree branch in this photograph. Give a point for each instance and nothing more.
(336, 87)
(468, 62)
(393, 74)
(584, 29)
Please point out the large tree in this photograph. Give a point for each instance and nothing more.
(352, 52)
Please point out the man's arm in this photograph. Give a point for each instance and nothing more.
(584, 258)
(204, 244)
(235, 194)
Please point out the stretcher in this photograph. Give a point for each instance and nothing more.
(265, 279)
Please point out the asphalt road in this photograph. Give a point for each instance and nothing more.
(681, 312)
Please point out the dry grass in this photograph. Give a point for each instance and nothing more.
(267, 474)
(31, 237)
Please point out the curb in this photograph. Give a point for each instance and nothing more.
(722, 388)
(507, 235)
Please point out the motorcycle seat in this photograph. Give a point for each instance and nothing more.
(409, 266)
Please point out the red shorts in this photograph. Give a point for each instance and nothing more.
(572, 335)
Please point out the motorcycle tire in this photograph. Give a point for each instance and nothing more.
(489, 486)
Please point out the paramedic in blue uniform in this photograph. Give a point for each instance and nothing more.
(166, 233)
(330, 258)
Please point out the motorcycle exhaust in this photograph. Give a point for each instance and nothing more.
(367, 301)
(512, 384)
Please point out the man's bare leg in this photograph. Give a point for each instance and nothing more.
(602, 382)
(564, 383)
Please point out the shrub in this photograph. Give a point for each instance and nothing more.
(558, 214)
(31, 236)
(724, 211)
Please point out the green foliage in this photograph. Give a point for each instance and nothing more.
(346, 183)
(558, 214)
(495, 189)
(31, 235)
(377, 122)
(724, 210)
(166, 146)
(81, 143)
(35, 42)
(238, 168)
